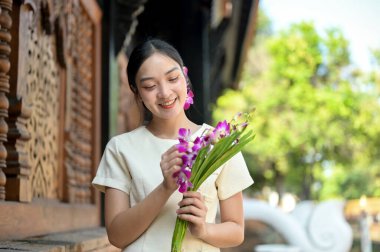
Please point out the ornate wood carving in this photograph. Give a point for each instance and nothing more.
(5, 49)
(80, 106)
(42, 90)
(54, 116)
(32, 164)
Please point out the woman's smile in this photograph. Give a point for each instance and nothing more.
(168, 104)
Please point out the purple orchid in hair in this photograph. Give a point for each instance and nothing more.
(185, 70)
(189, 99)
(190, 95)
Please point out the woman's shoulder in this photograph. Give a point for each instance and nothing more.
(129, 137)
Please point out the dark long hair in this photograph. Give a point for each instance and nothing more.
(143, 51)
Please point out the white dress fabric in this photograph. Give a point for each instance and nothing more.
(131, 163)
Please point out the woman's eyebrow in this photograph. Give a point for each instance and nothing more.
(151, 78)
(146, 78)
(171, 70)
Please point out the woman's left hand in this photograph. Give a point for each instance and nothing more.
(193, 209)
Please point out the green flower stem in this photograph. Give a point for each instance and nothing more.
(223, 158)
(210, 158)
(201, 158)
(179, 234)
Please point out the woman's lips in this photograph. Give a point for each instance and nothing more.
(168, 104)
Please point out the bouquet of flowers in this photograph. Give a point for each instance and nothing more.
(204, 155)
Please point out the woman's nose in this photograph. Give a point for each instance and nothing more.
(164, 91)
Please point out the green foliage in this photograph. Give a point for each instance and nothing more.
(316, 119)
(298, 54)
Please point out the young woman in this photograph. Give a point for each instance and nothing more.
(136, 170)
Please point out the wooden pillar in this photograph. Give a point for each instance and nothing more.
(17, 162)
(5, 49)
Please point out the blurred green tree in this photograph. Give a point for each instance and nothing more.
(316, 116)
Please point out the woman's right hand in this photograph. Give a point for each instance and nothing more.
(171, 162)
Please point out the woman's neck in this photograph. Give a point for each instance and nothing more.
(169, 128)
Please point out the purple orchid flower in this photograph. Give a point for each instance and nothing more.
(185, 70)
(209, 138)
(198, 144)
(222, 129)
(189, 99)
(190, 151)
(184, 134)
(184, 139)
(184, 185)
(183, 179)
(188, 159)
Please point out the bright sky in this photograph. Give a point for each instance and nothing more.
(358, 19)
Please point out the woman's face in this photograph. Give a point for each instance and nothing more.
(162, 86)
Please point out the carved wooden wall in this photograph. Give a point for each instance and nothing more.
(79, 140)
(49, 114)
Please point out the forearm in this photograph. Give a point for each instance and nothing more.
(224, 235)
(129, 224)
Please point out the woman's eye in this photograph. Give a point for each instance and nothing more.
(149, 87)
(174, 79)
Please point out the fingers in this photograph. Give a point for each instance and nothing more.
(193, 209)
(192, 204)
(174, 162)
(171, 153)
(171, 162)
(171, 159)
(171, 165)
(191, 213)
(192, 198)
(173, 148)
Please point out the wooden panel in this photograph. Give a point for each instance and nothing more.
(38, 218)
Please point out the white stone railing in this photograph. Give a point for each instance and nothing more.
(311, 227)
